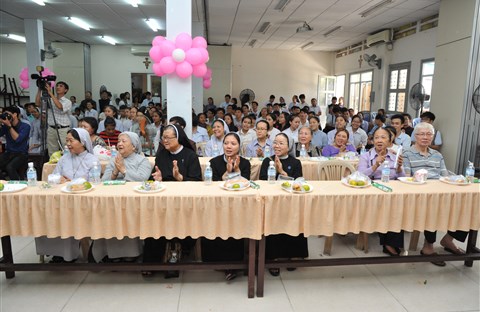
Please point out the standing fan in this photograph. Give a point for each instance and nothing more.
(476, 99)
(372, 60)
(417, 96)
(247, 95)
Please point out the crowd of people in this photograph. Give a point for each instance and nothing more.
(230, 133)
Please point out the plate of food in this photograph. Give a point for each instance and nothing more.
(77, 186)
(297, 187)
(357, 180)
(455, 180)
(235, 184)
(149, 187)
(411, 180)
(11, 188)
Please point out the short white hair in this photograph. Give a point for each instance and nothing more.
(423, 126)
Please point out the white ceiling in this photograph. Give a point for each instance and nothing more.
(230, 22)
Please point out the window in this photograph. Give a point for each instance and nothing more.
(426, 78)
(326, 90)
(360, 88)
(340, 86)
(398, 88)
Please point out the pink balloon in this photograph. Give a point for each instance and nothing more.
(155, 54)
(24, 74)
(204, 55)
(208, 74)
(207, 84)
(199, 70)
(158, 40)
(24, 84)
(183, 41)
(167, 48)
(52, 84)
(194, 56)
(157, 69)
(199, 42)
(184, 70)
(167, 65)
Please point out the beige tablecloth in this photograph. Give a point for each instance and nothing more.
(335, 208)
(182, 209)
(309, 167)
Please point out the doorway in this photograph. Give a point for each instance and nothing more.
(143, 82)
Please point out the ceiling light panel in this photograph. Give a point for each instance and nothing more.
(15, 37)
(79, 23)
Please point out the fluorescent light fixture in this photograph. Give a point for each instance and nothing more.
(332, 31)
(39, 2)
(281, 5)
(252, 42)
(264, 28)
(152, 24)
(307, 45)
(79, 23)
(109, 40)
(14, 37)
(134, 3)
(305, 27)
(375, 8)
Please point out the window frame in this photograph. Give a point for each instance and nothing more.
(428, 60)
(357, 106)
(398, 67)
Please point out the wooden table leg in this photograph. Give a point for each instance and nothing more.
(261, 267)
(471, 245)
(251, 268)
(7, 255)
(414, 241)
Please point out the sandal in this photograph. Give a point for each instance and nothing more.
(230, 275)
(274, 271)
(147, 273)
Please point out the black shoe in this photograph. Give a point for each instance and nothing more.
(172, 274)
(291, 269)
(385, 250)
(58, 259)
(274, 271)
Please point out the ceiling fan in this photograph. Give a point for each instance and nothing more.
(372, 60)
(50, 53)
(304, 28)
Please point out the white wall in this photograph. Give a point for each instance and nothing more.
(69, 67)
(414, 49)
(221, 64)
(278, 72)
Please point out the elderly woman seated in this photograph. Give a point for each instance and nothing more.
(340, 145)
(305, 135)
(130, 165)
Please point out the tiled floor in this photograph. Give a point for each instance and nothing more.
(390, 287)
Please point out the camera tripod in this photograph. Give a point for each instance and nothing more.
(46, 104)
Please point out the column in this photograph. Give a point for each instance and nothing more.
(34, 36)
(179, 91)
(197, 83)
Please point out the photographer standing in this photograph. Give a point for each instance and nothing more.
(57, 117)
(16, 133)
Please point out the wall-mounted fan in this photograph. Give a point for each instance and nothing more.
(50, 53)
(372, 60)
(476, 99)
(247, 95)
(417, 97)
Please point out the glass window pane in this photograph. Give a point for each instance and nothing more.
(367, 76)
(392, 98)
(393, 79)
(402, 81)
(401, 102)
(365, 98)
(322, 99)
(354, 95)
(355, 78)
(322, 83)
(428, 68)
(340, 86)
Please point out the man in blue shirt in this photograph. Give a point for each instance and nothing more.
(16, 133)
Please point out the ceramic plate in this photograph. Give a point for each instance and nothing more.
(65, 190)
(12, 188)
(222, 186)
(445, 180)
(410, 180)
(290, 190)
(139, 188)
(345, 182)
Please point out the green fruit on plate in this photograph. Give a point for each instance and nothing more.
(286, 184)
(306, 187)
(236, 186)
(360, 183)
(87, 185)
(1, 187)
(352, 182)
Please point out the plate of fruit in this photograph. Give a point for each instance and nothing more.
(78, 186)
(236, 184)
(149, 187)
(357, 180)
(298, 187)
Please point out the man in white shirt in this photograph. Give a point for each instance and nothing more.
(401, 138)
(148, 99)
(315, 108)
(437, 142)
(237, 119)
(199, 134)
(303, 117)
(226, 102)
(89, 111)
(360, 137)
(302, 103)
(255, 108)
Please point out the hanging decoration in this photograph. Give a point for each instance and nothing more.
(25, 79)
(184, 57)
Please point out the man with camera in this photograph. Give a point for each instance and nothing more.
(16, 133)
(58, 111)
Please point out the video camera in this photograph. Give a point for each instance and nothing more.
(5, 116)
(40, 80)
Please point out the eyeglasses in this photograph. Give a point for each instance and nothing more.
(383, 137)
(279, 143)
(261, 129)
(428, 134)
(168, 138)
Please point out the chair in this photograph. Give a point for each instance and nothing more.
(7, 96)
(333, 170)
(17, 96)
(201, 148)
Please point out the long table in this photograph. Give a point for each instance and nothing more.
(334, 208)
(182, 209)
(310, 167)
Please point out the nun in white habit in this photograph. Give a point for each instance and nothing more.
(130, 165)
(76, 164)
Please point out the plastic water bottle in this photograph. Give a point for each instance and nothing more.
(215, 150)
(272, 172)
(386, 172)
(303, 152)
(113, 151)
(470, 172)
(208, 174)
(266, 154)
(66, 151)
(174, 257)
(31, 175)
(95, 173)
(363, 150)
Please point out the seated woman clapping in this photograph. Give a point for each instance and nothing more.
(340, 145)
(371, 164)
